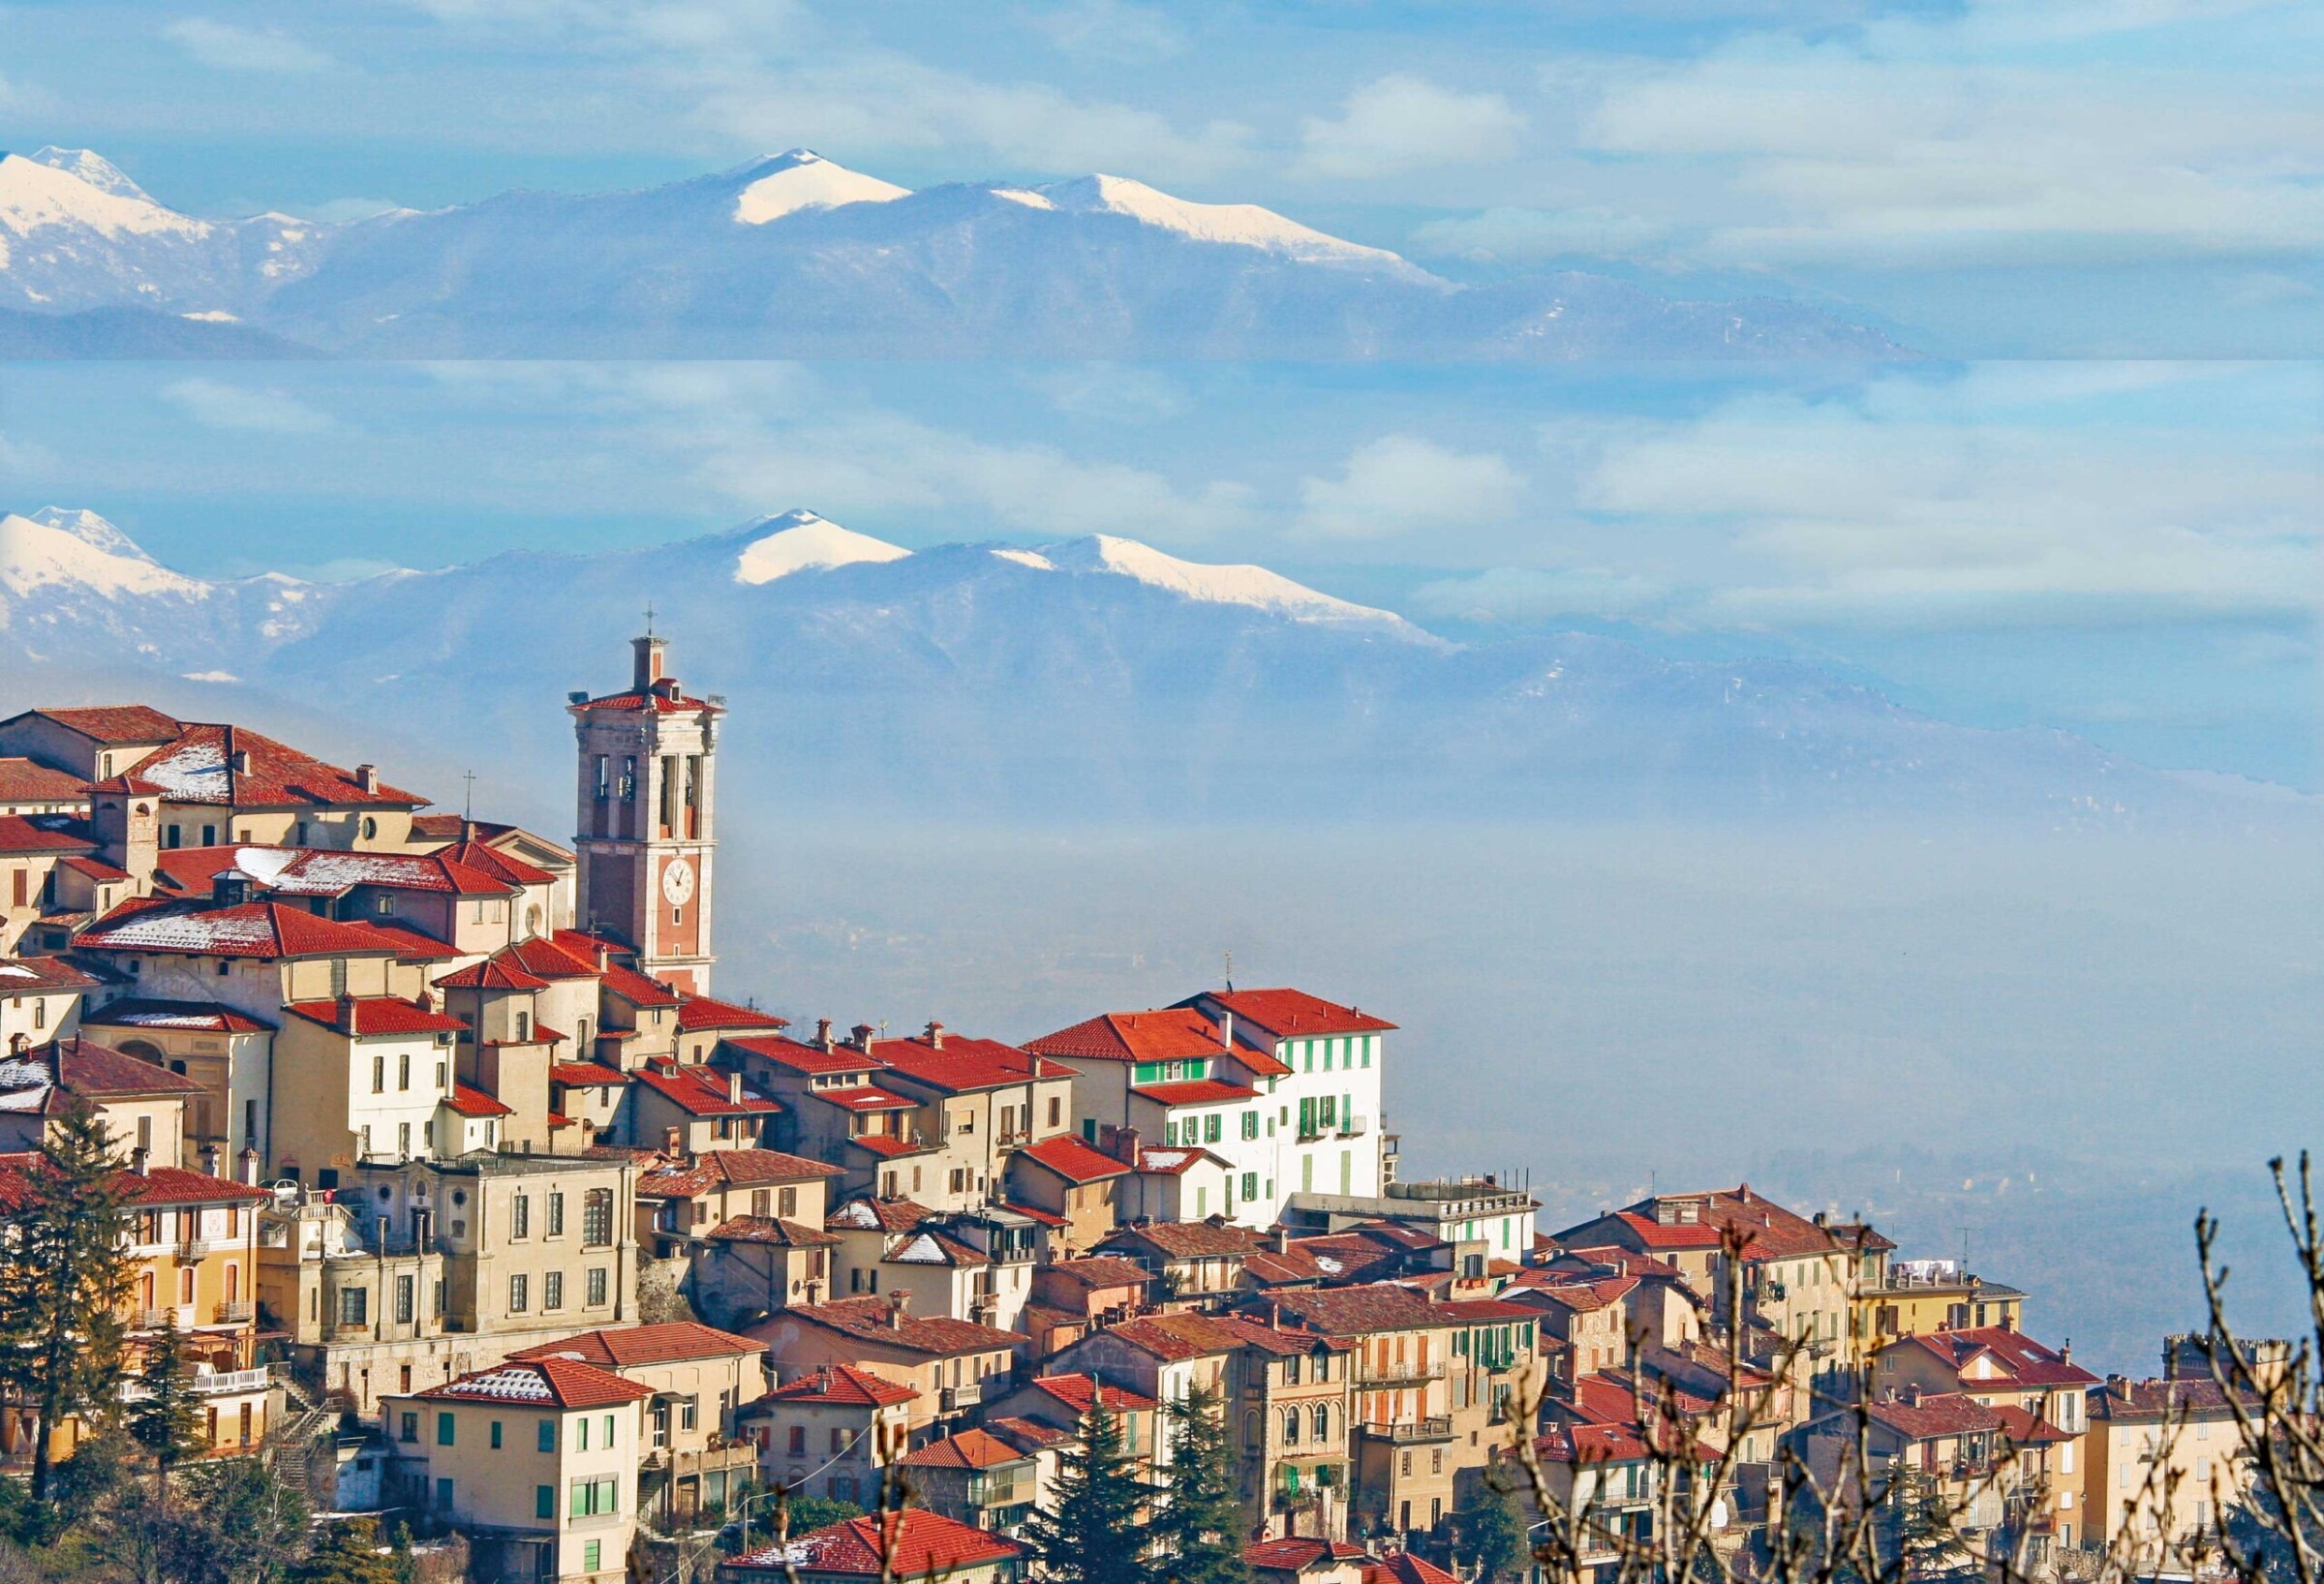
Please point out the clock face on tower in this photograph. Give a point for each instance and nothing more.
(678, 882)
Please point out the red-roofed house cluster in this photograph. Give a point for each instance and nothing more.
(446, 1111)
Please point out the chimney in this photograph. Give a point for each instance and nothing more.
(1226, 1030)
(604, 959)
(1743, 1193)
(823, 1039)
(2008, 1320)
(860, 1036)
(1126, 1146)
(669, 1141)
(933, 1033)
(367, 776)
(900, 1299)
(250, 1165)
(1277, 1239)
(1912, 1396)
(229, 889)
(347, 1014)
(18, 1044)
(139, 1159)
(734, 1088)
(647, 655)
(209, 1157)
(2065, 1353)
(240, 760)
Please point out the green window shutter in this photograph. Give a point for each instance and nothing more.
(1212, 1126)
(545, 1437)
(443, 1429)
(590, 1555)
(576, 1500)
(496, 1435)
(544, 1501)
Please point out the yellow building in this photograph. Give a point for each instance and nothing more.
(535, 1461)
(1912, 1298)
(2165, 1458)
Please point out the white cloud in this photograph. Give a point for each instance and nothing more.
(215, 403)
(1518, 235)
(1402, 484)
(1892, 507)
(1109, 30)
(1931, 145)
(1406, 123)
(1535, 593)
(233, 49)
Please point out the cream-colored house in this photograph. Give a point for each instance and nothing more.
(2165, 1460)
(359, 1079)
(228, 1052)
(949, 1362)
(534, 1460)
(40, 999)
(693, 1455)
(829, 1429)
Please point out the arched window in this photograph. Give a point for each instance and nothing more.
(1322, 1421)
(1250, 1429)
(371, 827)
(1291, 1427)
(524, 1027)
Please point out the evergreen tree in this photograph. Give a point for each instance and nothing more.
(1199, 1533)
(1093, 1533)
(347, 1552)
(66, 1270)
(166, 1421)
(1489, 1534)
(252, 1525)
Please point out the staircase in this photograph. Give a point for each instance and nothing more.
(292, 1443)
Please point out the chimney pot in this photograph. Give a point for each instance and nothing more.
(935, 1034)
(669, 1140)
(139, 1159)
(861, 1034)
(367, 776)
(734, 1088)
(250, 1165)
(209, 1157)
(900, 1299)
(347, 1014)
(823, 1034)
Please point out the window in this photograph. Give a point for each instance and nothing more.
(405, 1300)
(1320, 1422)
(410, 1429)
(798, 1440)
(379, 1075)
(596, 1287)
(403, 1140)
(1291, 1370)
(760, 1201)
(596, 1217)
(552, 1290)
(496, 1435)
(520, 1216)
(591, 1554)
(581, 1434)
(544, 1501)
(363, 1140)
(1212, 1126)
(445, 1427)
(556, 1214)
(519, 1294)
(1250, 1124)
(690, 1411)
(1250, 1186)
(1057, 1111)
(444, 1495)
(1291, 1427)
(787, 1202)
(403, 1070)
(544, 1436)
(354, 1305)
(609, 1431)
(591, 1498)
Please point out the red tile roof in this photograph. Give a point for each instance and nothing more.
(636, 988)
(966, 1450)
(93, 868)
(2022, 1361)
(565, 1382)
(1165, 1034)
(867, 1099)
(768, 1229)
(621, 1347)
(22, 974)
(703, 1092)
(474, 1102)
(158, 1185)
(1403, 1568)
(887, 1146)
(700, 1012)
(1288, 1014)
(375, 1015)
(869, 1214)
(252, 929)
(1084, 1392)
(112, 723)
(42, 833)
(1187, 1239)
(841, 1384)
(547, 958)
(913, 1543)
(1350, 1311)
(486, 859)
(494, 973)
(91, 1071)
(873, 1320)
(802, 1057)
(26, 781)
(1294, 1553)
(1100, 1271)
(1940, 1414)
(962, 1064)
(1768, 1230)
(585, 1075)
(656, 703)
(1073, 1160)
(1196, 1091)
(729, 1167)
(197, 766)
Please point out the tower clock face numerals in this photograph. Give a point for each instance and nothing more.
(678, 882)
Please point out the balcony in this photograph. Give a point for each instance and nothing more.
(205, 1383)
(1400, 1374)
(233, 1314)
(1405, 1432)
(153, 1320)
(958, 1399)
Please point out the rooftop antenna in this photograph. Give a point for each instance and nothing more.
(1230, 972)
(467, 800)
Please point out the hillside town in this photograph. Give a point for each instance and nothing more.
(459, 1188)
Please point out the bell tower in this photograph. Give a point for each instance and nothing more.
(646, 829)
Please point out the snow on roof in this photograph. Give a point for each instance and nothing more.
(799, 542)
(803, 179)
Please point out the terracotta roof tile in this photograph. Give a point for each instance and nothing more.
(841, 1384)
(1073, 1160)
(621, 1347)
(1291, 1014)
(913, 1543)
(565, 1382)
(873, 1320)
(376, 1014)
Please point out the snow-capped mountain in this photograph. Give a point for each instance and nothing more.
(1094, 678)
(795, 256)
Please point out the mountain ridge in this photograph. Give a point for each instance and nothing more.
(796, 256)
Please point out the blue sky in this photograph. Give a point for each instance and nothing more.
(1989, 177)
(2127, 551)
